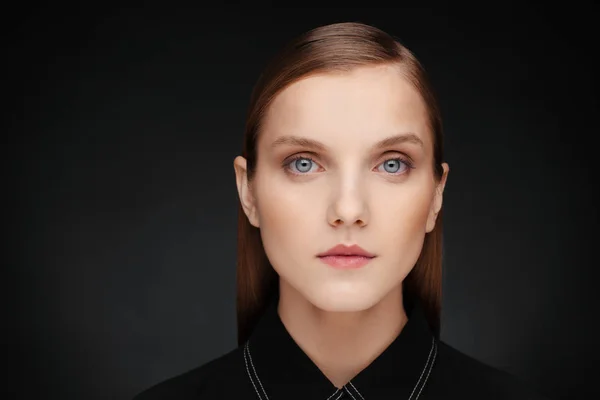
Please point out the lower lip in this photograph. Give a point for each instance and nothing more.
(346, 262)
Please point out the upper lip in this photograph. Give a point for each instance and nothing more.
(343, 250)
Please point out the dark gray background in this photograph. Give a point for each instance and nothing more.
(121, 133)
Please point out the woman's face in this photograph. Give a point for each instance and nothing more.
(344, 159)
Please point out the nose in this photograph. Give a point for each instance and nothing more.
(348, 206)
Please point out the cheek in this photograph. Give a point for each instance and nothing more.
(401, 214)
(280, 205)
(289, 213)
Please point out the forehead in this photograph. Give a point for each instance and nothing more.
(365, 104)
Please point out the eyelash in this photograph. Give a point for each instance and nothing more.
(287, 163)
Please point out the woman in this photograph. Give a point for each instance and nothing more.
(341, 184)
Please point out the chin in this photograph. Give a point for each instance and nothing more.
(343, 299)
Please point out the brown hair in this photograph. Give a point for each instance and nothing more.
(333, 48)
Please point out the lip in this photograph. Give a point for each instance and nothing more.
(346, 257)
(346, 262)
(343, 250)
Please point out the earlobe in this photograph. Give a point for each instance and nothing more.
(244, 190)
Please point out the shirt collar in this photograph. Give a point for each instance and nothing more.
(279, 369)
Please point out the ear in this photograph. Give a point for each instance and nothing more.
(436, 204)
(247, 199)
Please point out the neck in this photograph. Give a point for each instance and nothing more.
(341, 344)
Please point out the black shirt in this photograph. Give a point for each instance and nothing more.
(271, 366)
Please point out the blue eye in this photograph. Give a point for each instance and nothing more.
(393, 165)
(300, 165)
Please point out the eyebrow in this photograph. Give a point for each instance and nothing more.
(408, 137)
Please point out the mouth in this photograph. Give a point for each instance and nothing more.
(345, 257)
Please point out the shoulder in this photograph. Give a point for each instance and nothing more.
(212, 380)
(462, 375)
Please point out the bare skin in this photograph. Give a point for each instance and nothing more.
(349, 191)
